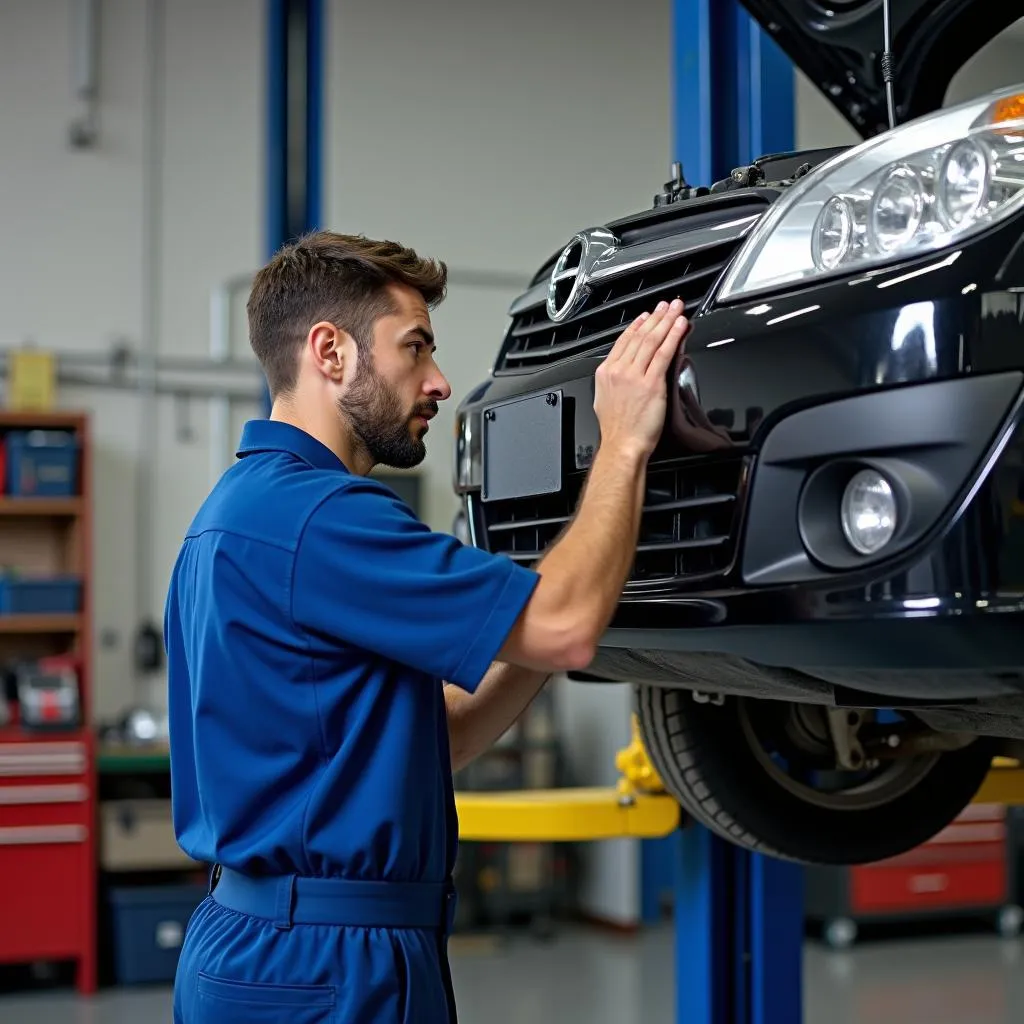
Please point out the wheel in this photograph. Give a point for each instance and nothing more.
(1010, 921)
(762, 774)
(840, 933)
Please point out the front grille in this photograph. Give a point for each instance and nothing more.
(688, 527)
(534, 340)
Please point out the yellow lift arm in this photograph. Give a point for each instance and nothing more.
(638, 807)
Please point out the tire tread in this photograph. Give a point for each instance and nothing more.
(674, 752)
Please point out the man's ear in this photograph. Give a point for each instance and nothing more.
(331, 350)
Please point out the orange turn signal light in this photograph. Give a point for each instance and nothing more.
(1010, 108)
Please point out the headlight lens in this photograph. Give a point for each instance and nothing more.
(923, 186)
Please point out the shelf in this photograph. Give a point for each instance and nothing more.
(14, 624)
(29, 419)
(40, 506)
(15, 734)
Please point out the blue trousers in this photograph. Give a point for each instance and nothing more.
(289, 963)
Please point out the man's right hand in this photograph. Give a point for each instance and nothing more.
(631, 397)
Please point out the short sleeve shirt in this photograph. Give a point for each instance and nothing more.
(311, 622)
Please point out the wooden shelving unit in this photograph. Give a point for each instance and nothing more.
(42, 507)
(13, 625)
(48, 846)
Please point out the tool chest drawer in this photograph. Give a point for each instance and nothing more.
(42, 813)
(33, 759)
(44, 871)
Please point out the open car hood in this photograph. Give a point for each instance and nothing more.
(839, 44)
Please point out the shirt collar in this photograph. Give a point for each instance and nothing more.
(275, 436)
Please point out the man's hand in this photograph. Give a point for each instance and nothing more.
(630, 387)
(477, 721)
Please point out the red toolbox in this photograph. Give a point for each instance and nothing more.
(965, 869)
(47, 859)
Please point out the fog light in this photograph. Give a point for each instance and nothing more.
(868, 512)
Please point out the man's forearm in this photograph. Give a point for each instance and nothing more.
(477, 720)
(582, 574)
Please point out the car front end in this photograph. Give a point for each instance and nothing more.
(833, 525)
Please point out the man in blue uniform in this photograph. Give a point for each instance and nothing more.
(331, 659)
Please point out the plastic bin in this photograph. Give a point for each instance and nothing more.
(148, 928)
(41, 463)
(56, 595)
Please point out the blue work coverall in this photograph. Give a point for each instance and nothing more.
(310, 623)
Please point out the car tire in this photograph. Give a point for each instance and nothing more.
(705, 759)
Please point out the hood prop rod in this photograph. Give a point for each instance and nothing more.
(887, 62)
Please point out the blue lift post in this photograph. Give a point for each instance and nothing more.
(294, 140)
(738, 915)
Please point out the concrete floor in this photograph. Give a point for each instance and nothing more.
(586, 976)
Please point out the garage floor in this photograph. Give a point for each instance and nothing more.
(595, 978)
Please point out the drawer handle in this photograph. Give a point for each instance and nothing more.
(70, 794)
(929, 883)
(31, 835)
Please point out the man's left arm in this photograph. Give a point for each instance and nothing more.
(478, 720)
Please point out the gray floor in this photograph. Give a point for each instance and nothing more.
(584, 976)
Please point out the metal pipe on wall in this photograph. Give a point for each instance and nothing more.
(85, 70)
(221, 321)
(149, 641)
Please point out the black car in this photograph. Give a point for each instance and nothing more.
(825, 618)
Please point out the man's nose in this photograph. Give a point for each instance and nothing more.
(438, 387)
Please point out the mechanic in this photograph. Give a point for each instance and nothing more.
(331, 660)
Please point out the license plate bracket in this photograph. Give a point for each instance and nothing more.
(522, 447)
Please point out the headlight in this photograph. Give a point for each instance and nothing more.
(925, 185)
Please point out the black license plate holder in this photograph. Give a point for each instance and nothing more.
(522, 447)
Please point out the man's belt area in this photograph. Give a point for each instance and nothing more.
(290, 899)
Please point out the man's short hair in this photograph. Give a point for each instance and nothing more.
(342, 279)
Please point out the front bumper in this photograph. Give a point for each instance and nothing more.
(917, 370)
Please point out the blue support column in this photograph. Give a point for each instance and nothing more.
(739, 934)
(738, 916)
(294, 133)
(732, 90)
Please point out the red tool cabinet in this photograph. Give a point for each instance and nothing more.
(48, 778)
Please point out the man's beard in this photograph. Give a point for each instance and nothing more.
(384, 430)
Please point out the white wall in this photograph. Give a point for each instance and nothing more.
(73, 267)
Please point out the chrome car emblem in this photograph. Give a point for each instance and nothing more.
(569, 286)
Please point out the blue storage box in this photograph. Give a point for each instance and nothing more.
(53, 595)
(148, 928)
(42, 463)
